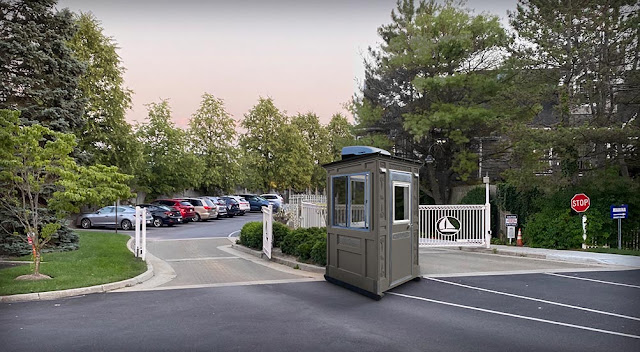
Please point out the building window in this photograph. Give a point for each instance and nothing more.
(350, 194)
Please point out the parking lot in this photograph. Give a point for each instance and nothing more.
(593, 311)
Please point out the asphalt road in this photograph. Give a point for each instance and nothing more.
(530, 312)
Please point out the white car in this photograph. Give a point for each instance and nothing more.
(273, 198)
(245, 207)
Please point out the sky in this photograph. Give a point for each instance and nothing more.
(307, 55)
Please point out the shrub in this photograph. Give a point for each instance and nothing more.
(301, 243)
(251, 235)
(290, 243)
(554, 228)
(280, 231)
(319, 251)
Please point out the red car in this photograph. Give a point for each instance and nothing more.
(185, 208)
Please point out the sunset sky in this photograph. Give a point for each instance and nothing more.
(306, 55)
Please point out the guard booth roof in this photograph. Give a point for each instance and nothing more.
(357, 150)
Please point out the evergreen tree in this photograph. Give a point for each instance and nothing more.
(39, 74)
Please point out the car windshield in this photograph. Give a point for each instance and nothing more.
(186, 203)
(243, 200)
(232, 201)
(270, 197)
(162, 207)
(260, 198)
(208, 202)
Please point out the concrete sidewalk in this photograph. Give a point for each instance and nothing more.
(563, 255)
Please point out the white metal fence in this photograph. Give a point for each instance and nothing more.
(309, 198)
(313, 215)
(453, 225)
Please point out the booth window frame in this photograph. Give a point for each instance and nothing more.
(348, 213)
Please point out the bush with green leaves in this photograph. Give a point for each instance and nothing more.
(319, 251)
(551, 223)
(306, 244)
(251, 235)
(280, 231)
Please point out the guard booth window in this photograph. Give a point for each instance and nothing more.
(400, 202)
(350, 195)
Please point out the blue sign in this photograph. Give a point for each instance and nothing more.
(619, 211)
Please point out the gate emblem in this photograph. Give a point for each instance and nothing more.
(448, 225)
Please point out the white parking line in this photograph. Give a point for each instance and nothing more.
(534, 299)
(594, 280)
(231, 234)
(517, 316)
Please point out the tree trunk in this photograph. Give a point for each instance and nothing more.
(36, 270)
(435, 185)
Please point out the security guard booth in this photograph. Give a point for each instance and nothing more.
(372, 221)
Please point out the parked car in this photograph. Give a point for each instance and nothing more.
(245, 207)
(106, 217)
(185, 208)
(163, 215)
(204, 211)
(233, 207)
(256, 202)
(274, 199)
(222, 206)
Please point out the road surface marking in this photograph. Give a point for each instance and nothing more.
(231, 234)
(534, 299)
(203, 258)
(516, 316)
(594, 280)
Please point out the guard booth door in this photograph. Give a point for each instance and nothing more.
(401, 227)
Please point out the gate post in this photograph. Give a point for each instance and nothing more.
(487, 213)
(267, 230)
(137, 238)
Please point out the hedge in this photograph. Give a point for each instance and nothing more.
(251, 235)
(309, 245)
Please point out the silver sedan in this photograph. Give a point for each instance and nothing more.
(106, 217)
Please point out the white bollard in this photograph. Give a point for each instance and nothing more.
(144, 235)
(136, 248)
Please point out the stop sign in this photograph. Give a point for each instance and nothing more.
(580, 202)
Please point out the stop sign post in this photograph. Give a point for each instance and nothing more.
(580, 203)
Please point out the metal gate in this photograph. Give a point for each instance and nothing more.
(267, 230)
(454, 225)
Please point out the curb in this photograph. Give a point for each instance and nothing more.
(551, 256)
(281, 260)
(50, 295)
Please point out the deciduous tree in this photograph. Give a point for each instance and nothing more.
(106, 138)
(212, 135)
(37, 174)
(169, 165)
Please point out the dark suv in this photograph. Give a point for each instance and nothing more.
(233, 207)
(163, 215)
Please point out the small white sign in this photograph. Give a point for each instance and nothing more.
(511, 232)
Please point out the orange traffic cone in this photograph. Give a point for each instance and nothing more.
(519, 240)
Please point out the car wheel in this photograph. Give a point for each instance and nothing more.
(197, 218)
(125, 224)
(157, 222)
(85, 223)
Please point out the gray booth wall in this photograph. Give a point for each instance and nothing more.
(374, 259)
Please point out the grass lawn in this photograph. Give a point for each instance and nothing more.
(614, 251)
(102, 258)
